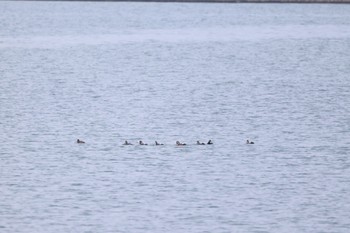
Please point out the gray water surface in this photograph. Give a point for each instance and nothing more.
(109, 72)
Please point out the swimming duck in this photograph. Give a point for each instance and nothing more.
(143, 144)
(180, 144)
(127, 143)
(248, 142)
(200, 143)
(210, 142)
(158, 144)
(80, 141)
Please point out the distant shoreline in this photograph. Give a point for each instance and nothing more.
(210, 1)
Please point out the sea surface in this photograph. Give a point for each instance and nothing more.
(106, 72)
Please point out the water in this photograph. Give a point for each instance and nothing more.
(277, 74)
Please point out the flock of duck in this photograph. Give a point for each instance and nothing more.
(178, 143)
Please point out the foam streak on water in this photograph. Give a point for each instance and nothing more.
(110, 72)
